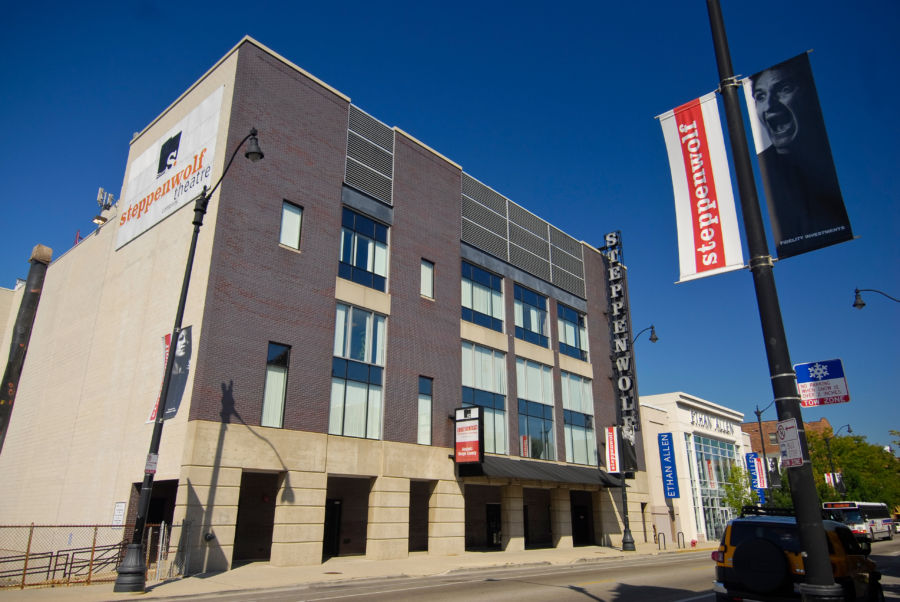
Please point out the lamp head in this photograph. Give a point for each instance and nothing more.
(653, 337)
(849, 430)
(858, 303)
(254, 153)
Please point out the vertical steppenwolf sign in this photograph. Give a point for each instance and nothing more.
(612, 449)
(708, 238)
(622, 357)
(469, 427)
(172, 172)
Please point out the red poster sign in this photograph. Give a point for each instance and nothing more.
(712, 475)
(612, 449)
(167, 342)
(469, 437)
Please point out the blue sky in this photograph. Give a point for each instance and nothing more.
(551, 105)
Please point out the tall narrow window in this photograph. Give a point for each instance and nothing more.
(364, 244)
(357, 374)
(276, 385)
(535, 388)
(291, 217)
(572, 333)
(531, 317)
(427, 287)
(578, 413)
(425, 385)
(484, 384)
(482, 297)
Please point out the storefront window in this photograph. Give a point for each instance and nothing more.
(712, 463)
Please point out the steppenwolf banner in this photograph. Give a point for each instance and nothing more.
(667, 463)
(172, 172)
(709, 242)
(801, 184)
(625, 380)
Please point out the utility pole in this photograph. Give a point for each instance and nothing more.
(819, 586)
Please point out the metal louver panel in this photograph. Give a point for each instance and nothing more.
(370, 155)
(474, 189)
(568, 282)
(565, 261)
(529, 262)
(484, 217)
(529, 221)
(566, 242)
(371, 129)
(529, 241)
(485, 240)
(369, 181)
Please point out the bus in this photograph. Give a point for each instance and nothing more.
(867, 520)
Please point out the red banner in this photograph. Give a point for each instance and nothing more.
(612, 449)
(167, 342)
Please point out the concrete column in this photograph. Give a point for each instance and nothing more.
(209, 496)
(610, 520)
(388, 528)
(446, 519)
(512, 518)
(299, 519)
(561, 518)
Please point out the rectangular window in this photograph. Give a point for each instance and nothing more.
(276, 385)
(531, 317)
(364, 244)
(425, 385)
(427, 286)
(772, 439)
(357, 374)
(535, 388)
(291, 217)
(482, 297)
(578, 415)
(484, 384)
(572, 333)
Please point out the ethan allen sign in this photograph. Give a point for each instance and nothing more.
(711, 423)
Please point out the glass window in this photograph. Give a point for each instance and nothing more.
(290, 225)
(357, 373)
(425, 385)
(535, 388)
(363, 256)
(578, 418)
(572, 332)
(484, 384)
(275, 386)
(773, 439)
(482, 297)
(531, 317)
(427, 285)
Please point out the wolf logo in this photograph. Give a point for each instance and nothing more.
(168, 154)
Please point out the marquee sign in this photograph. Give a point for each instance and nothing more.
(622, 358)
(469, 435)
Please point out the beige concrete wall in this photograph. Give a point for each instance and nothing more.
(561, 517)
(11, 299)
(94, 366)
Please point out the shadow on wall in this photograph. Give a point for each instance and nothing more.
(215, 557)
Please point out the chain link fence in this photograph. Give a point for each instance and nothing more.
(63, 555)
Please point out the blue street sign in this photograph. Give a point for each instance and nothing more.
(822, 383)
(667, 461)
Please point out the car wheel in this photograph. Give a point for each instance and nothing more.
(760, 565)
(890, 535)
(876, 594)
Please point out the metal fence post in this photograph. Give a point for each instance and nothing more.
(187, 545)
(27, 553)
(91, 565)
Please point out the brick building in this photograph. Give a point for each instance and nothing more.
(821, 426)
(348, 293)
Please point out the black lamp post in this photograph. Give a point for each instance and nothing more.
(858, 303)
(132, 572)
(831, 460)
(762, 443)
(627, 537)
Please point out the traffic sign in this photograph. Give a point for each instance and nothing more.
(822, 383)
(789, 441)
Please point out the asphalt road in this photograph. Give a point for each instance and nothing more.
(684, 577)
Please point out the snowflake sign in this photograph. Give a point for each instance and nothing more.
(822, 383)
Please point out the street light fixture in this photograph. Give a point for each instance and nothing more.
(831, 460)
(132, 571)
(627, 537)
(858, 303)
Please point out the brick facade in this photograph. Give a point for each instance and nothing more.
(821, 426)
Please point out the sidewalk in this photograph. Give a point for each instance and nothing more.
(261, 575)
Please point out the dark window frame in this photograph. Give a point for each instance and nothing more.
(525, 296)
(369, 228)
(478, 275)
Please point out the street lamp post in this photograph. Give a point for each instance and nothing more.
(762, 443)
(858, 303)
(132, 572)
(831, 460)
(627, 537)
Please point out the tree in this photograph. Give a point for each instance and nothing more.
(781, 496)
(737, 490)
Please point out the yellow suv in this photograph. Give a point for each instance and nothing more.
(759, 558)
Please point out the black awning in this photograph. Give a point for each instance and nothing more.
(495, 466)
